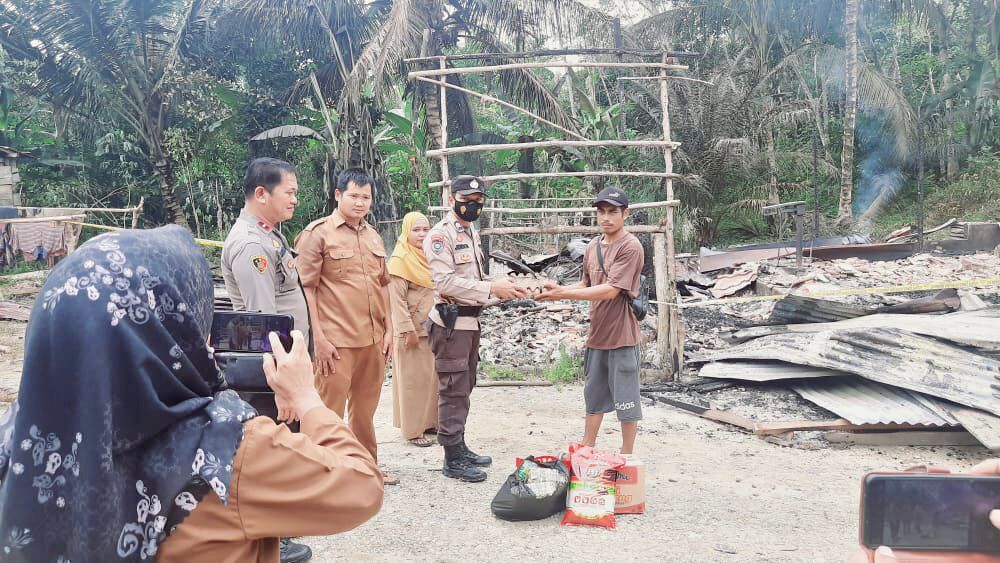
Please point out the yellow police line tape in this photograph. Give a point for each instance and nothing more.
(201, 241)
(957, 284)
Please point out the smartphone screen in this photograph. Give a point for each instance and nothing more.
(247, 332)
(931, 512)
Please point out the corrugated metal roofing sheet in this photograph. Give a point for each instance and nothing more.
(798, 309)
(865, 402)
(980, 328)
(884, 355)
(764, 371)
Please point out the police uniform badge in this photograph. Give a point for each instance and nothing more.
(437, 243)
(259, 262)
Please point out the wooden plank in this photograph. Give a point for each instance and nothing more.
(555, 53)
(564, 229)
(983, 425)
(443, 112)
(706, 411)
(640, 78)
(782, 426)
(918, 438)
(92, 209)
(581, 174)
(443, 84)
(554, 64)
(445, 152)
(513, 383)
(661, 281)
(548, 210)
(55, 219)
(673, 345)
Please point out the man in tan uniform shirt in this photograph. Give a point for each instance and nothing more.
(457, 265)
(259, 268)
(258, 264)
(343, 270)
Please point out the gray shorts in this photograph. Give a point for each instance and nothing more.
(612, 382)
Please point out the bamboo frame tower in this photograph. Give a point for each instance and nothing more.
(669, 340)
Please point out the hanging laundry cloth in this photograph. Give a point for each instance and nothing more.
(38, 241)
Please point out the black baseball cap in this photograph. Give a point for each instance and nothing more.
(613, 195)
(468, 185)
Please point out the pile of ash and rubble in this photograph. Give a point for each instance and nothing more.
(805, 365)
(530, 336)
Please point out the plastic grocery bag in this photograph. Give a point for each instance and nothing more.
(535, 491)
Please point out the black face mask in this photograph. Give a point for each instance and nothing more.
(468, 210)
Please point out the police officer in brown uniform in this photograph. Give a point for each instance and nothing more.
(258, 266)
(456, 261)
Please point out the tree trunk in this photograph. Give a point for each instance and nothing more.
(165, 180)
(772, 164)
(844, 214)
(526, 165)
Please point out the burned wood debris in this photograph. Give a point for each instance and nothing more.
(849, 369)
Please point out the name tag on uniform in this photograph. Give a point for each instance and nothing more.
(463, 258)
(462, 246)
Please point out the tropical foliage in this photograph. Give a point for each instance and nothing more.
(842, 103)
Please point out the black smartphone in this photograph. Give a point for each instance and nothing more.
(930, 512)
(247, 332)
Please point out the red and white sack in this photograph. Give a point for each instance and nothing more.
(590, 500)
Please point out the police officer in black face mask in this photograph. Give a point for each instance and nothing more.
(456, 262)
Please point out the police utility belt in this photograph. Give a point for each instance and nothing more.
(450, 313)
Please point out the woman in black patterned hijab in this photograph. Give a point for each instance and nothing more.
(121, 425)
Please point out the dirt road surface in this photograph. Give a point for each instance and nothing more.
(713, 494)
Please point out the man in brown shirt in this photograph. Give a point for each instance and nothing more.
(611, 361)
(342, 268)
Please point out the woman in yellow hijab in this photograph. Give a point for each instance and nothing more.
(411, 295)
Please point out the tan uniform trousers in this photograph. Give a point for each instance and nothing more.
(357, 385)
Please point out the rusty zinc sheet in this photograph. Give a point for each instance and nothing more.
(884, 355)
(865, 402)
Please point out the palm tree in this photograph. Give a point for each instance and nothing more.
(110, 62)
(365, 45)
(844, 213)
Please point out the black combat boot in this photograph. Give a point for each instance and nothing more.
(474, 458)
(292, 552)
(457, 466)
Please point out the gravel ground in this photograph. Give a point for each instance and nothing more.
(712, 494)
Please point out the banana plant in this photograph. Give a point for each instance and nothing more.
(328, 137)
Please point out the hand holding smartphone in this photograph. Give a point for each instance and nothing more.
(931, 517)
(248, 332)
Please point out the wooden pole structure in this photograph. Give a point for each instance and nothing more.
(669, 343)
(517, 66)
(445, 177)
(661, 78)
(591, 209)
(438, 153)
(581, 174)
(554, 53)
(55, 219)
(565, 229)
(89, 209)
(444, 84)
(137, 212)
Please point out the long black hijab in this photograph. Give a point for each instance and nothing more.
(121, 425)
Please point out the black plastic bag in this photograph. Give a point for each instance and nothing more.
(535, 491)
